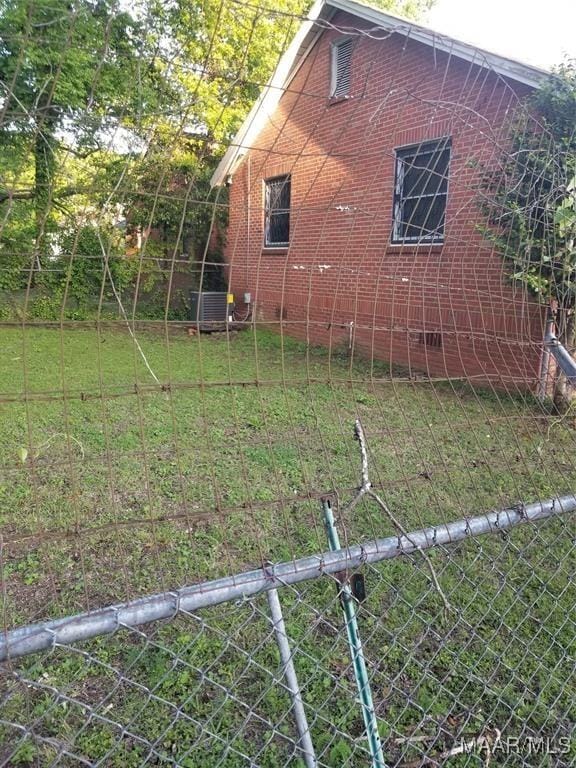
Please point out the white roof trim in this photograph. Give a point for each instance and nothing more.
(517, 70)
(291, 60)
(268, 100)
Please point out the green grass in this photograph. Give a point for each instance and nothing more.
(113, 487)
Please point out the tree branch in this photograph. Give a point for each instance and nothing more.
(366, 489)
(10, 194)
(30, 194)
(81, 155)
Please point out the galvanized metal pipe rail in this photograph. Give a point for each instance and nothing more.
(289, 671)
(565, 361)
(73, 629)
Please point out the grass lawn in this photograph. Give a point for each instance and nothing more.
(113, 487)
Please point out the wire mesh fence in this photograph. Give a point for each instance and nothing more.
(208, 686)
(230, 233)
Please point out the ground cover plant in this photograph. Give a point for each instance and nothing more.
(124, 476)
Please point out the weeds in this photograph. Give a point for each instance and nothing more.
(180, 483)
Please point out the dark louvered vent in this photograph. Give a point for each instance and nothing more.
(431, 339)
(341, 68)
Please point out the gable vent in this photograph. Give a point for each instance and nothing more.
(341, 67)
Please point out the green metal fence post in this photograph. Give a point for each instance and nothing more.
(356, 651)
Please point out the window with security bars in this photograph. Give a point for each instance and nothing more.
(420, 192)
(277, 212)
(341, 68)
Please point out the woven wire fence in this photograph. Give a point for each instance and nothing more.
(233, 238)
(213, 687)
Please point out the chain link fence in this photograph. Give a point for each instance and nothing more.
(489, 679)
(228, 233)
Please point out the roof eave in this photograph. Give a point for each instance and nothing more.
(272, 92)
(517, 70)
(270, 96)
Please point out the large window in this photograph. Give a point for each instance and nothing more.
(420, 192)
(277, 212)
(341, 70)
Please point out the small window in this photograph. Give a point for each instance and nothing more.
(420, 192)
(341, 60)
(277, 212)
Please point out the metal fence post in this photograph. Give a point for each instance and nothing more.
(358, 661)
(304, 739)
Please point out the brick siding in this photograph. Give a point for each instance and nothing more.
(340, 268)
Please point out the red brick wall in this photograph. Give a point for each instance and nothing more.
(340, 267)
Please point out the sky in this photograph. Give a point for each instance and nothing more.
(535, 31)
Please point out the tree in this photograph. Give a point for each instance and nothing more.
(105, 103)
(221, 55)
(71, 72)
(531, 204)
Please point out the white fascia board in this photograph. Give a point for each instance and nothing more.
(271, 94)
(268, 99)
(516, 70)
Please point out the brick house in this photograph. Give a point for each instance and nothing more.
(354, 198)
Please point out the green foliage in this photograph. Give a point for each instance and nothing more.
(111, 104)
(16, 239)
(26, 753)
(82, 272)
(74, 74)
(75, 66)
(17, 226)
(532, 198)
